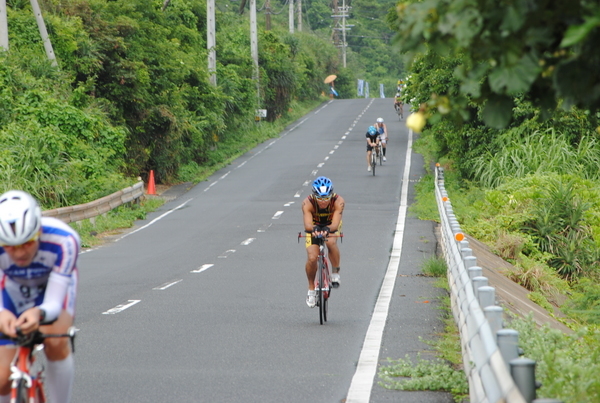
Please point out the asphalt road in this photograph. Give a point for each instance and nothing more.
(205, 300)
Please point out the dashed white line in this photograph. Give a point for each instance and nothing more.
(167, 285)
(320, 165)
(288, 204)
(122, 307)
(202, 268)
(224, 256)
(248, 241)
(277, 215)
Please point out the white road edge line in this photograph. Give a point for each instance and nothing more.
(156, 219)
(362, 381)
(122, 307)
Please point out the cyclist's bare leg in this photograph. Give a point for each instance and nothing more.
(60, 370)
(7, 353)
(369, 158)
(311, 265)
(334, 253)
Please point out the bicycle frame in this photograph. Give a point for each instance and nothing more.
(27, 369)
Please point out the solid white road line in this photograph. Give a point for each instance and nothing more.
(362, 382)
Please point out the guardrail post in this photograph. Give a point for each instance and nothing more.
(508, 344)
(523, 373)
(474, 271)
(466, 252)
(477, 283)
(470, 261)
(486, 296)
(493, 314)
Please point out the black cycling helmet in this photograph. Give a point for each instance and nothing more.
(322, 187)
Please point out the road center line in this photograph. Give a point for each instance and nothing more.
(122, 307)
(167, 285)
(202, 268)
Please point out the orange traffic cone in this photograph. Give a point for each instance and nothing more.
(151, 187)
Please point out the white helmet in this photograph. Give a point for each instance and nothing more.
(379, 120)
(20, 217)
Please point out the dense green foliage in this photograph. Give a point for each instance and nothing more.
(544, 51)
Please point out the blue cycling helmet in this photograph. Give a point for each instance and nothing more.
(372, 130)
(322, 187)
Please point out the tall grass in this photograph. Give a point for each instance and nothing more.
(540, 153)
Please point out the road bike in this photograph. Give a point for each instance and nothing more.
(323, 275)
(27, 368)
(380, 153)
(375, 153)
(399, 110)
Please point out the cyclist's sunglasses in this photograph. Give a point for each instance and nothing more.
(323, 198)
(24, 244)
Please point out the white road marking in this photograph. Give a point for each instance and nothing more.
(331, 152)
(314, 173)
(248, 241)
(362, 382)
(202, 268)
(167, 285)
(264, 227)
(288, 204)
(155, 220)
(224, 255)
(307, 183)
(122, 307)
(320, 165)
(277, 215)
(298, 193)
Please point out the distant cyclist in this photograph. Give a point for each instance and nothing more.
(322, 211)
(383, 134)
(373, 139)
(39, 279)
(398, 104)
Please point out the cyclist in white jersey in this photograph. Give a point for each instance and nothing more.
(383, 135)
(38, 257)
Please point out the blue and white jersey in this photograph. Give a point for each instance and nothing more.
(58, 251)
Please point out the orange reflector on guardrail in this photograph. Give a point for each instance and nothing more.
(459, 236)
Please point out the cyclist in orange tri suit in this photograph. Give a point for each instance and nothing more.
(322, 212)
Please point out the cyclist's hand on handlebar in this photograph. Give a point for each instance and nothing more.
(320, 230)
(7, 323)
(29, 320)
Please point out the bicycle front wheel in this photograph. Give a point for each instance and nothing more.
(381, 157)
(22, 392)
(320, 295)
(373, 162)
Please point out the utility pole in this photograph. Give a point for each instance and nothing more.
(291, 16)
(3, 26)
(211, 41)
(340, 25)
(299, 15)
(43, 32)
(254, 48)
(268, 15)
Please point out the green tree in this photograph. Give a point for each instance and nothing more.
(543, 50)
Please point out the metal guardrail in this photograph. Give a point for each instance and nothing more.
(97, 207)
(489, 375)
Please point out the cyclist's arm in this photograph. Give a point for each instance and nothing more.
(338, 209)
(307, 212)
